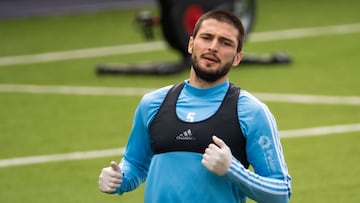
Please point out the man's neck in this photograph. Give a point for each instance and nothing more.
(195, 81)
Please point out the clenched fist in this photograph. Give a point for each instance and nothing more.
(217, 157)
(110, 178)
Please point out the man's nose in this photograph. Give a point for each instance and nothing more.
(214, 45)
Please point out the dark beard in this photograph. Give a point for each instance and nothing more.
(210, 76)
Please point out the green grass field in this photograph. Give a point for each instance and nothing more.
(324, 168)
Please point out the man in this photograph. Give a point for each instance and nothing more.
(193, 141)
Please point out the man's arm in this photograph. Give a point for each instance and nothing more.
(132, 170)
(133, 166)
(218, 159)
(137, 156)
(260, 188)
(270, 181)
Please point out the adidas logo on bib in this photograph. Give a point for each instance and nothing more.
(186, 135)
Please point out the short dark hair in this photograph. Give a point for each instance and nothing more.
(223, 16)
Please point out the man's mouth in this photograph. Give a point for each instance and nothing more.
(211, 58)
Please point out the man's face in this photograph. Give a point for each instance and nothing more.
(213, 50)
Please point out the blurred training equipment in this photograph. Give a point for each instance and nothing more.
(177, 20)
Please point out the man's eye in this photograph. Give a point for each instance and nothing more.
(227, 43)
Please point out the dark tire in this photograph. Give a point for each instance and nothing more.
(179, 17)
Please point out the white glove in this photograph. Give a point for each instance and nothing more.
(217, 157)
(110, 178)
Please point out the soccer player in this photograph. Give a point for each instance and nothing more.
(194, 141)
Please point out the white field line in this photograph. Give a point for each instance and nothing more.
(156, 46)
(308, 99)
(317, 131)
(60, 157)
(304, 32)
(73, 90)
(83, 53)
(86, 90)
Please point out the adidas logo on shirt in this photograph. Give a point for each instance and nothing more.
(186, 135)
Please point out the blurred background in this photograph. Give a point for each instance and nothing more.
(10, 9)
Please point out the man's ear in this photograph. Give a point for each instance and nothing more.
(237, 58)
(190, 45)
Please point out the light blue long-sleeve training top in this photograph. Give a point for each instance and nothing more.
(180, 176)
